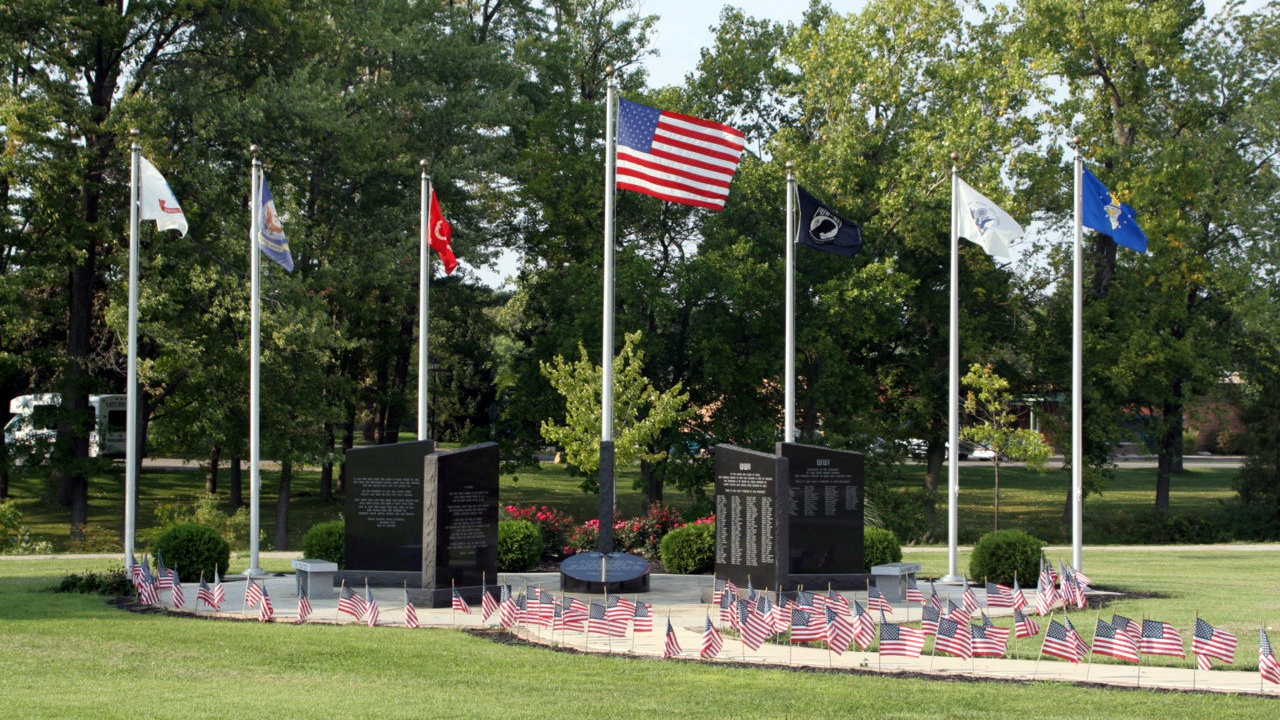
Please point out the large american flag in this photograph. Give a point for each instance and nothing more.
(953, 638)
(671, 647)
(1160, 638)
(839, 631)
(1023, 625)
(1267, 664)
(1208, 642)
(1110, 641)
(712, 642)
(1058, 644)
(676, 157)
(988, 640)
(900, 640)
(410, 612)
(806, 626)
(350, 602)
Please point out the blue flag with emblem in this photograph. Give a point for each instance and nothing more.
(1101, 211)
(270, 231)
(822, 229)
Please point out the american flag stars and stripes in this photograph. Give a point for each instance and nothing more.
(676, 157)
(900, 640)
(642, 618)
(805, 599)
(304, 605)
(135, 570)
(487, 605)
(458, 603)
(1023, 625)
(957, 612)
(599, 622)
(953, 638)
(999, 596)
(987, 641)
(837, 602)
(350, 602)
(1268, 666)
(176, 594)
(410, 612)
(522, 608)
(839, 631)
(806, 626)
(751, 591)
(1113, 642)
(1208, 642)
(557, 617)
(575, 615)
(1019, 600)
(147, 590)
(728, 607)
(1127, 626)
(1046, 594)
(671, 646)
(767, 611)
(712, 641)
(618, 611)
(934, 600)
(717, 586)
(864, 628)
(265, 610)
(1058, 644)
(219, 593)
(164, 576)
(252, 593)
(913, 591)
(204, 594)
(877, 601)
(969, 601)
(1160, 638)
(929, 620)
(782, 614)
(1081, 645)
(508, 611)
(371, 611)
(752, 626)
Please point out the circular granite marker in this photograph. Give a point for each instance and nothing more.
(594, 572)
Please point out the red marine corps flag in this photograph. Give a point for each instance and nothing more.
(439, 233)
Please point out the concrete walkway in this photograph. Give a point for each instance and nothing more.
(678, 598)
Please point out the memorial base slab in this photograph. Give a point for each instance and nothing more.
(598, 573)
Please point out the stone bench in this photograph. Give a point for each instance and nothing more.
(891, 579)
(316, 577)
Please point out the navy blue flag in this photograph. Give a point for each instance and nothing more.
(822, 229)
(1100, 211)
(270, 231)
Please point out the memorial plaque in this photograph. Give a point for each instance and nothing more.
(460, 521)
(825, 511)
(750, 526)
(384, 507)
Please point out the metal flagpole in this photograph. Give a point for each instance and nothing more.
(255, 328)
(605, 540)
(789, 372)
(953, 392)
(424, 284)
(1077, 375)
(131, 380)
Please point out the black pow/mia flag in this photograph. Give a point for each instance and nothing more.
(822, 229)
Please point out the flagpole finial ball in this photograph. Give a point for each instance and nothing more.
(1076, 140)
(134, 132)
(254, 149)
(608, 71)
(955, 156)
(790, 165)
(422, 163)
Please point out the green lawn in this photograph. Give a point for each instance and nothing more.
(71, 656)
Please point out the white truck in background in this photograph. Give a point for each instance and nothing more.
(35, 421)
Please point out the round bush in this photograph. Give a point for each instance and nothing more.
(192, 550)
(880, 546)
(689, 550)
(326, 541)
(519, 545)
(999, 556)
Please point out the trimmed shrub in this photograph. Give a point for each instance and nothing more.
(689, 550)
(111, 582)
(193, 550)
(643, 535)
(554, 525)
(999, 555)
(519, 545)
(880, 546)
(327, 541)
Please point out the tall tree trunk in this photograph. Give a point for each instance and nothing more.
(348, 442)
(211, 475)
(282, 506)
(399, 381)
(995, 516)
(235, 483)
(652, 480)
(1170, 448)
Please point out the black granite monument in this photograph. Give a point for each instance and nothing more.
(750, 517)
(825, 489)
